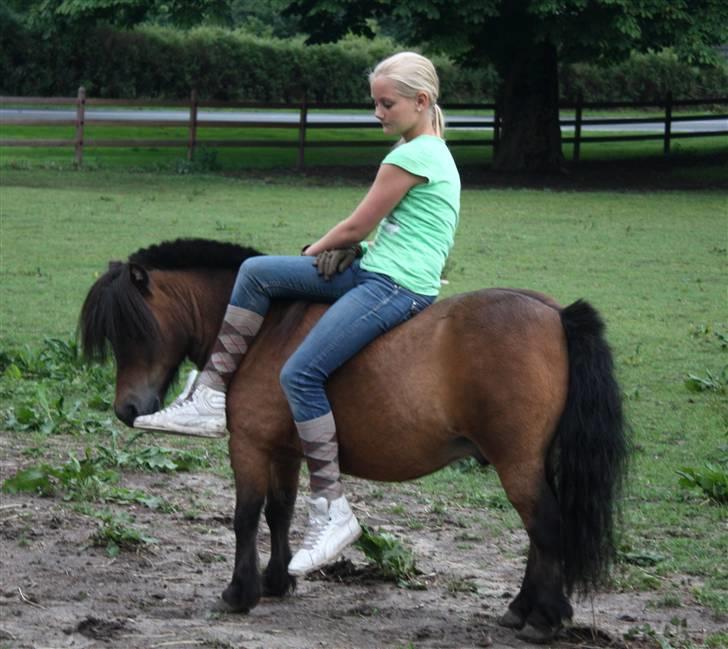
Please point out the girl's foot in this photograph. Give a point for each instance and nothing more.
(331, 527)
(202, 413)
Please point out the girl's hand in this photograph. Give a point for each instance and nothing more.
(330, 262)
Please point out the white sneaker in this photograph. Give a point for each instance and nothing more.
(187, 390)
(331, 528)
(202, 414)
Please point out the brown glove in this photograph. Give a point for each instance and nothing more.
(330, 262)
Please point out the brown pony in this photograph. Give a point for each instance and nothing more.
(506, 376)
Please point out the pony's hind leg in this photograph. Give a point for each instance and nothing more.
(541, 606)
(278, 513)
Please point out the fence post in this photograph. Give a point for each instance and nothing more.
(577, 127)
(668, 123)
(496, 128)
(193, 126)
(80, 120)
(302, 132)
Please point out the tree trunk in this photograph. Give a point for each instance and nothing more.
(530, 136)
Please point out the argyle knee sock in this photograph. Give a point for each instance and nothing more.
(237, 331)
(321, 450)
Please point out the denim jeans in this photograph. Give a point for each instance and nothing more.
(365, 305)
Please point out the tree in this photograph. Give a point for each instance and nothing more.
(526, 40)
(54, 16)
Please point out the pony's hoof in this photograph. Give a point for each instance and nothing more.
(232, 601)
(511, 620)
(278, 584)
(530, 633)
(221, 606)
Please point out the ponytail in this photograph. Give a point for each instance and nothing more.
(438, 121)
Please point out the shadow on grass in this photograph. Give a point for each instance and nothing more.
(653, 173)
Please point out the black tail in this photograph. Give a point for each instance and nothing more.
(592, 452)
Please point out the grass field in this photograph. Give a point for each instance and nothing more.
(653, 262)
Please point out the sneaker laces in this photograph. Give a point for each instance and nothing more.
(177, 404)
(316, 528)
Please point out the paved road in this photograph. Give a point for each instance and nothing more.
(8, 116)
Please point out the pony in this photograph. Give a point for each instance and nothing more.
(506, 376)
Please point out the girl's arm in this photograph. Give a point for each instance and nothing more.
(388, 189)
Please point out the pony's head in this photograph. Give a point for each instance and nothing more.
(141, 311)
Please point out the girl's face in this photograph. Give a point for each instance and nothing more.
(404, 116)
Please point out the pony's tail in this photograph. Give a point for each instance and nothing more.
(591, 452)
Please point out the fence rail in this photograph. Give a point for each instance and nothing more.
(302, 123)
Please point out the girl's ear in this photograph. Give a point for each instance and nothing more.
(422, 101)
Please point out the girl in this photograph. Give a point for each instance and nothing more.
(415, 201)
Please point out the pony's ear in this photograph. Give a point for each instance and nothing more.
(139, 277)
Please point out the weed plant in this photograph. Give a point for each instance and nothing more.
(392, 558)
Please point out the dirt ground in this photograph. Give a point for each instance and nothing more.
(59, 590)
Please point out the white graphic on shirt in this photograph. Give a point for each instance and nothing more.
(390, 226)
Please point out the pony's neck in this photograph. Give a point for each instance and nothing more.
(200, 298)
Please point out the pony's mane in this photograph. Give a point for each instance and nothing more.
(192, 253)
(115, 311)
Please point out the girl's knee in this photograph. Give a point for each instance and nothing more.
(291, 378)
(250, 267)
(297, 380)
(285, 378)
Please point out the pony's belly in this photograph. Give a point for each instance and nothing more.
(401, 458)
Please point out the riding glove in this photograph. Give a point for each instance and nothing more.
(330, 262)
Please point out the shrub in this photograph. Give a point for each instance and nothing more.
(164, 62)
(643, 77)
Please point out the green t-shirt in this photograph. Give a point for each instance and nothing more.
(413, 242)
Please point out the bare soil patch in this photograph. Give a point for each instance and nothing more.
(60, 590)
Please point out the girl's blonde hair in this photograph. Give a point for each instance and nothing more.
(413, 73)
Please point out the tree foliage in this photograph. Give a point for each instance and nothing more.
(527, 40)
(582, 30)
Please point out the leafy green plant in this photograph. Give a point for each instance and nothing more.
(641, 558)
(86, 479)
(77, 479)
(394, 560)
(149, 458)
(52, 392)
(709, 382)
(717, 640)
(51, 414)
(712, 479)
(674, 635)
(116, 533)
(55, 359)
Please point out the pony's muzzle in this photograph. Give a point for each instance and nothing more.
(130, 409)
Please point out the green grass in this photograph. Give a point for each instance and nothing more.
(653, 263)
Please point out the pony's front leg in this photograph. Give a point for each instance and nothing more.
(251, 470)
(278, 513)
(244, 590)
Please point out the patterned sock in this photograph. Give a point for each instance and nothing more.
(321, 450)
(238, 329)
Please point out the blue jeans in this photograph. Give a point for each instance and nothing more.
(365, 305)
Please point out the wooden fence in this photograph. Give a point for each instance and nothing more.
(303, 124)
